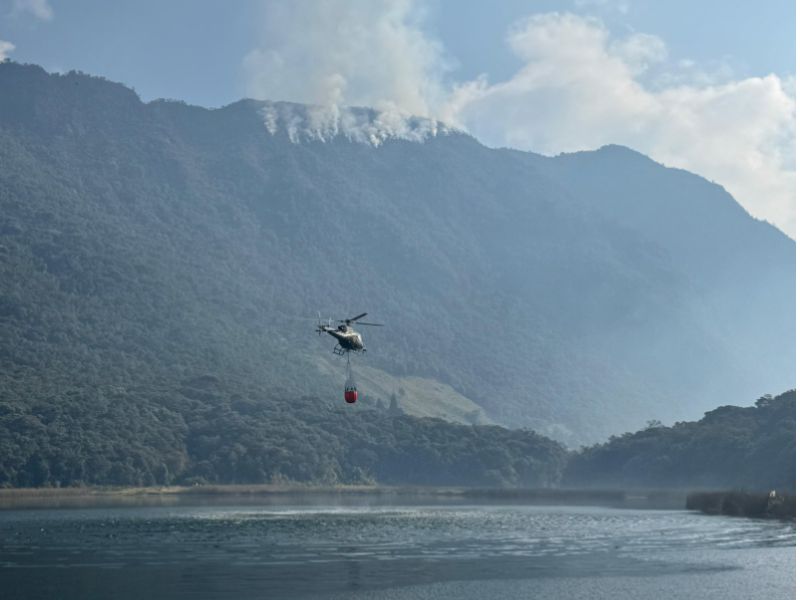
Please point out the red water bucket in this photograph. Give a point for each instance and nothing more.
(350, 395)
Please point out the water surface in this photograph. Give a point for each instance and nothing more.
(375, 550)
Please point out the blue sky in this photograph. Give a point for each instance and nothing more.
(546, 75)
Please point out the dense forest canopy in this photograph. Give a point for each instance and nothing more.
(730, 447)
(199, 434)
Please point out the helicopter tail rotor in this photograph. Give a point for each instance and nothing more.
(321, 326)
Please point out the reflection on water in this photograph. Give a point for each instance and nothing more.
(423, 551)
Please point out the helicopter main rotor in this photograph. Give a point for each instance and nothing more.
(348, 322)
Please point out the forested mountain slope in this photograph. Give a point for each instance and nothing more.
(145, 245)
(731, 447)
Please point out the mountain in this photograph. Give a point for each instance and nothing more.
(143, 245)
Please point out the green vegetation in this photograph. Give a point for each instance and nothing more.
(199, 435)
(731, 447)
(156, 260)
(145, 244)
(421, 397)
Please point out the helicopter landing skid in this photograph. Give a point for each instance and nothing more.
(339, 351)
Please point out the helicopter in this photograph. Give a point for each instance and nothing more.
(349, 339)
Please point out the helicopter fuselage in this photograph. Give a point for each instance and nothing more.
(349, 340)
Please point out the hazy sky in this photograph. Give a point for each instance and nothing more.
(704, 85)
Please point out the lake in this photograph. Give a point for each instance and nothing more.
(372, 548)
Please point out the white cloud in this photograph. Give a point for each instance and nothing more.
(40, 9)
(5, 49)
(579, 89)
(639, 51)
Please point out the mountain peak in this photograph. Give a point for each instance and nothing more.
(613, 152)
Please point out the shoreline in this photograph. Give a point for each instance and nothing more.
(98, 496)
(712, 502)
